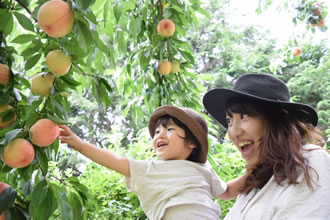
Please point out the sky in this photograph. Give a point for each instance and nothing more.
(279, 23)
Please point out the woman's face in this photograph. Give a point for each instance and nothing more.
(246, 132)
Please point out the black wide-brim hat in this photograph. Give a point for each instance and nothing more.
(262, 87)
(193, 120)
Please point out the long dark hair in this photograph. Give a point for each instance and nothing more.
(189, 138)
(281, 145)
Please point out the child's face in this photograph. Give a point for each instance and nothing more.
(169, 143)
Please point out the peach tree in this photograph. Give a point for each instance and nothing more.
(110, 48)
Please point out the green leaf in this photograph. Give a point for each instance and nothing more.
(23, 38)
(6, 22)
(187, 55)
(128, 5)
(17, 94)
(205, 13)
(106, 10)
(121, 41)
(24, 21)
(17, 213)
(42, 159)
(31, 62)
(56, 120)
(7, 115)
(138, 24)
(43, 202)
(177, 9)
(7, 198)
(84, 4)
(77, 206)
(81, 189)
(12, 134)
(29, 51)
(84, 35)
(144, 62)
(117, 10)
(132, 26)
(70, 81)
(63, 202)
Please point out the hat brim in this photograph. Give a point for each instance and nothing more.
(186, 119)
(215, 102)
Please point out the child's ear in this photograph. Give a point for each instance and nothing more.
(191, 146)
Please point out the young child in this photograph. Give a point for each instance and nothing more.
(179, 185)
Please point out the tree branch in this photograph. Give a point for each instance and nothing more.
(24, 6)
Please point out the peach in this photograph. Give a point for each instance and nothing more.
(166, 28)
(320, 23)
(18, 153)
(44, 132)
(56, 18)
(58, 62)
(41, 84)
(3, 186)
(296, 51)
(5, 124)
(4, 74)
(175, 66)
(317, 8)
(164, 67)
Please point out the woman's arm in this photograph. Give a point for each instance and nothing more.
(233, 188)
(101, 156)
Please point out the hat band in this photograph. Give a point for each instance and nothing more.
(263, 96)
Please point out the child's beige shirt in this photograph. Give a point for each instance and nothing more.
(161, 185)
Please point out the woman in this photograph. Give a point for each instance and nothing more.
(288, 175)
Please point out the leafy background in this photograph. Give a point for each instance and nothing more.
(113, 87)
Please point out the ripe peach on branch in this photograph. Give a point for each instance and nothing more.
(44, 132)
(164, 67)
(41, 84)
(3, 122)
(4, 74)
(58, 62)
(56, 18)
(18, 153)
(175, 66)
(166, 28)
(296, 51)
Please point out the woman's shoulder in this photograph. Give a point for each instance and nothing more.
(316, 155)
(315, 150)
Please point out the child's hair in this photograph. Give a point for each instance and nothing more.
(281, 144)
(189, 137)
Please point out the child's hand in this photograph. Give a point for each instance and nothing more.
(67, 136)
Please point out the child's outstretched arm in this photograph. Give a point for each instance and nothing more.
(233, 188)
(101, 156)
